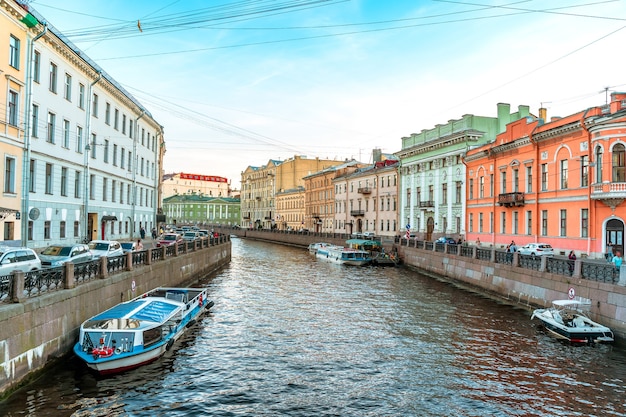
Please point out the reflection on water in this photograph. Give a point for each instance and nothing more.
(291, 335)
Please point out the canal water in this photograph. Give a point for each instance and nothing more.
(291, 335)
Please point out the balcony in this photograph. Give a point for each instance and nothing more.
(511, 199)
(428, 203)
(364, 190)
(612, 194)
(316, 215)
(356, 213)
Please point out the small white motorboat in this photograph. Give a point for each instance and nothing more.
(139, 331)
(567, 320)
(345, 256)
(313, 247)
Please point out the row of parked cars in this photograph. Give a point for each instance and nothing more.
(26, 259)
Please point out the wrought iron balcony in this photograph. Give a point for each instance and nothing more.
(511, 199)
(611, 194)
(357, 212)
(364, 190)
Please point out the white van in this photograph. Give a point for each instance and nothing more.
(18, 259)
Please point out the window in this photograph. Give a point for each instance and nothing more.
(130, 128)
(503, 182)
(502, 222)
(444, 193)
(471, 222)
(115, 154)
(93, 146)
(31, 186)
(13, 108)
(544, 177)
(529, 222)
(584, 171)
(529, 179)
(77, 184)
(46, 229)
(51, 126)
(481, 187)
(66, 134)
(14, 52)
(124, 124)
(116, 120)
(515, 222)
(564, 174)
(122, 154)
(106, 151)
(92, 187)
(619, 163)
(107, 114)
(121, 192)
(563, 225)
(79, 139)
(491, 185)
(480, 222)
(584, 223)
(471, 188)
(9, 175)
(49, 179)
(516, 180)
(544, 222)
(105, 186)
(67, 91)
(94, 106)
(76, 229)
(53, 78)
(35, 125)
(30, 230)
(81, 96)
(37, 67)
(64, 181)
(62, 229)
(113, 190)
(598, 164)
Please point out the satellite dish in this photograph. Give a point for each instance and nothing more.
(33, 214)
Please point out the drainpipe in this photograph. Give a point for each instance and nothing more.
(134, 161)
(592, 212)
(26, 155)
(86, 158)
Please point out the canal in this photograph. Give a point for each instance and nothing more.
(291, 335)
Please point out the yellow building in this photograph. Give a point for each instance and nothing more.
(186, 183)
(16, 34)
(259, 186)
(290, 209)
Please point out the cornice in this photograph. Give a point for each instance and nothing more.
(470, 135)
(557, 131)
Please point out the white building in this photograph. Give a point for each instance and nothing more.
(94, 163)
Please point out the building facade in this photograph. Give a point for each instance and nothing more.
(91, 151)
(186, 183)
(259, 186)
(432, 173)
(561, 182)
(320, 196)
(290, 211)
(193, 209)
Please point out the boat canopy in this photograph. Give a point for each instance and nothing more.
(152, 310)
(363, 243)
(579, 303)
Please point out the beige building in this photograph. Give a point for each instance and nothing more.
(259, 186)
(195, 184)
(320, 196)
(290, 209)
(367, 200)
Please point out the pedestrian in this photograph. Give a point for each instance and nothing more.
(139, 245)
(154, 233)
(477, 241)
(609, 251)
(617, 260)
(572, 259)
(142, 232)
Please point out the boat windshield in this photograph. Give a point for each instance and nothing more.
(112, 324)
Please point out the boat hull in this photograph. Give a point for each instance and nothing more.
(586, 332)
(344, 256)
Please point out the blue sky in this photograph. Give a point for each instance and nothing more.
(236, 83)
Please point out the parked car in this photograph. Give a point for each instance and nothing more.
(58, 255)
(168, 239)
(446, 239)
(537, 249)
(128, 246)
(18, 259)
(203, 233)
(368, 234)
(190, 235)
(108, 248)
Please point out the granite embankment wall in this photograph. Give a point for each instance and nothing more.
(38, 330)
(524, 287)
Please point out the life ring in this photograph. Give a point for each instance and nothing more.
(103, 352)
(200, 300)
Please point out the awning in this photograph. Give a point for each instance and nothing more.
(7, 211)
(109, 218)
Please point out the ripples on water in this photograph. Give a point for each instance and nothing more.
(293, 336)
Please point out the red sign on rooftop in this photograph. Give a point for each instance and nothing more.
(210, 178)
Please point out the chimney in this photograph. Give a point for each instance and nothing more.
(543, 114)
(376, 155)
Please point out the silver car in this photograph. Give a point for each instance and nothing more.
(108, 248)
(537, 249)
(18, 259)
(58, 255)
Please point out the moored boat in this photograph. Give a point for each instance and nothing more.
(313, 247)
(345, 256)
(567, 320)
(139, 331)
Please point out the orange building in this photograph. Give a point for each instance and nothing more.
(561, 182)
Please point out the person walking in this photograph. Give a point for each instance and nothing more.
(617, 260)
(572, 260)
(139, 245)
(142, 232)
(609, 251)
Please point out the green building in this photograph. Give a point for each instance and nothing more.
(201, 209)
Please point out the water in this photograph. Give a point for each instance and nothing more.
(293, 336)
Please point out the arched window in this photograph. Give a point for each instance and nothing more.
(598, 164)
(619, 166)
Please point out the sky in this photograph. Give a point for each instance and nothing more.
(236, 83)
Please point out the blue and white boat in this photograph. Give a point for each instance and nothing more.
(345, 256)
(139, 331)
